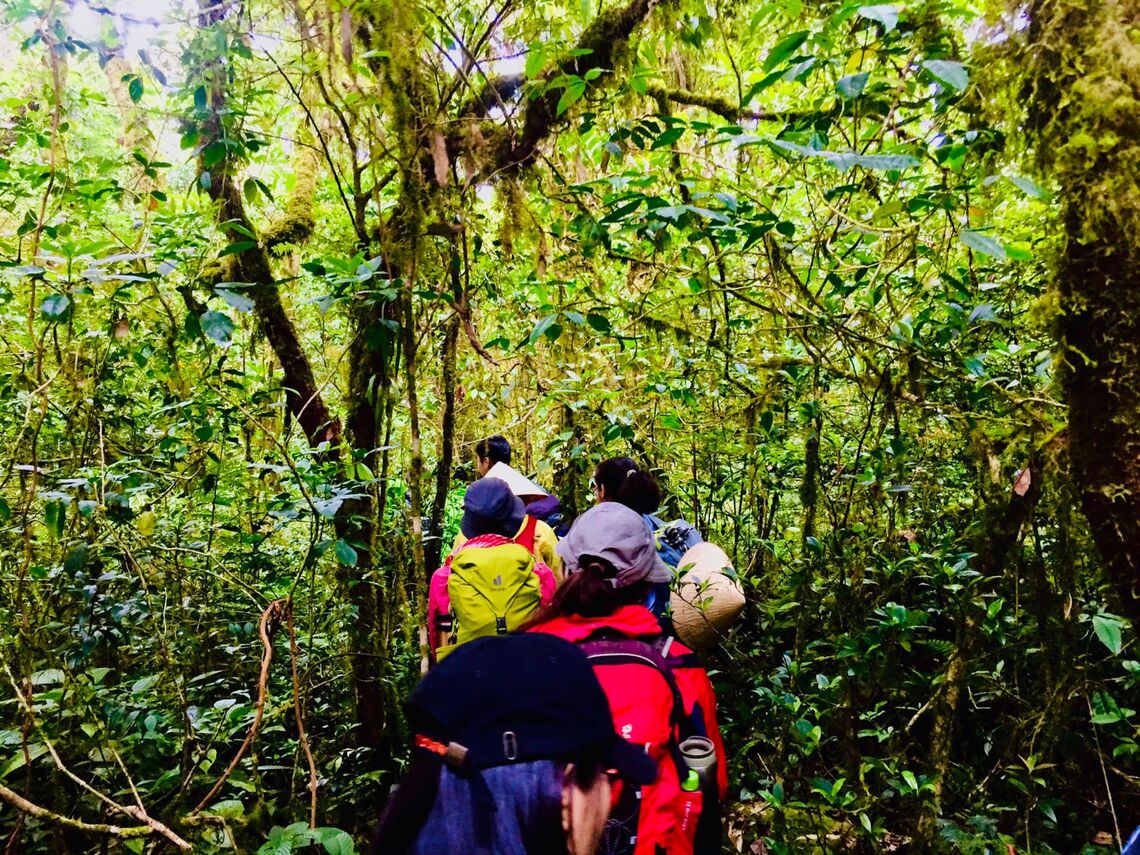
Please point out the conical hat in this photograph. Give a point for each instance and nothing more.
(520, 485)
(709, 597)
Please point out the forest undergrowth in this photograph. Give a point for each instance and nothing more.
(269, 270)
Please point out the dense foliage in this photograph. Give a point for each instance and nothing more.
(268, 271)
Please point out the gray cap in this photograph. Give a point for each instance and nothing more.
(620, 536)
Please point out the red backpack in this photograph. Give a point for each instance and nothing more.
(648, 710)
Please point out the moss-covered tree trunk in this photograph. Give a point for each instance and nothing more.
(1085, 110)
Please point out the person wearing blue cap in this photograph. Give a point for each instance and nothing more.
(514, 749)
(493, 582)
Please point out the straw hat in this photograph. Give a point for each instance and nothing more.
(708, 599)
(520, 485)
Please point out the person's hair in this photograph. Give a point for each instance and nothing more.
(494, 448)
(435, 809)
(588, 593)
(624, 482)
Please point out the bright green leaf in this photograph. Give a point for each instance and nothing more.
(785, 49)
(1109, 630)
(982, 243)
(953, 75)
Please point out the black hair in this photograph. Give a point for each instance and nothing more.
(588, 593)
(494, 448)
(623, 481)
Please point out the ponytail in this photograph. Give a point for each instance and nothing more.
(624, 482)
(590, 593)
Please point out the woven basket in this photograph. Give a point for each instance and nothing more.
(707, 600)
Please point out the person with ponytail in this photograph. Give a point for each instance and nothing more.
(659, 694)
(514, 751)
(621, 480)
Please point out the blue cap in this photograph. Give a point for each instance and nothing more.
(518, 698)
(489, 507)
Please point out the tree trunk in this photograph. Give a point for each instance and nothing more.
(1085, 109)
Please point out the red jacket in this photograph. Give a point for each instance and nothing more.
(658, 815)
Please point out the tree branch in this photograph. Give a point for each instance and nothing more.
(716, 104)
(597, 48)
(31, 809)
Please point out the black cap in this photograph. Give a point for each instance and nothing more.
(518, 698)
(489, 507)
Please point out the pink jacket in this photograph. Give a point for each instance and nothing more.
(439, 602)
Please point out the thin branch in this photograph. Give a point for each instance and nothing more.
(270, 619)
(301, 735)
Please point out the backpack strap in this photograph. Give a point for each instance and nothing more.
(527, 536)
(631, 651)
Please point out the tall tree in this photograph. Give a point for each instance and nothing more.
(1085, 111)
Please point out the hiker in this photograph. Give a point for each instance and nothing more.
(659, 694)
(514, 746)
(492, 582)
(492, 450)
(493, 457)
(619, 479)
(492, 460)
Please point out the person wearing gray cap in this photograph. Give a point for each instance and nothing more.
(660, 696)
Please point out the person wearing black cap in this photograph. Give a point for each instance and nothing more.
(493, 582)
(514, 745)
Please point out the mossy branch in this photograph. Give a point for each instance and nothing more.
(130, 832)
(717, 104)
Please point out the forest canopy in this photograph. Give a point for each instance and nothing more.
(856, 282)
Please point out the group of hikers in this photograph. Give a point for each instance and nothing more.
(561, 712)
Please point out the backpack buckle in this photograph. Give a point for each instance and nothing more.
(510, 745)
(501, 625)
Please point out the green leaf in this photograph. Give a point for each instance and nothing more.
(200, 99)
(76, 559)
(622, 211)
(984, 312)
(846, 160)
(240, 246)
(982, 243)
(535, 59)
(852, 85)
(953, 75)
(238, 301)
(345, 554)
(17, 761)
(1029, 187)
(572, 93)
(911, 781)
(55, 518)
(785, 49)
(55, 307)
(135, 88)
(335, 841)
(6, 509)
(888, 16)
(217, 326)
(1109, 630)
(540, 328)
(189, 139)
(599, 322)
(668, 137)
